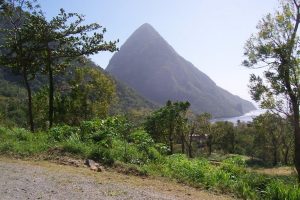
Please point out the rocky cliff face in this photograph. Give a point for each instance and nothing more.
(147, 63)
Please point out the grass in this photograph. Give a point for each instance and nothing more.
(161, 186)
(139, 155)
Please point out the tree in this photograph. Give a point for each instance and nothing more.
(168, 122)
(222, 136)
(64, 39)
(90, 95)
(268, 137)
(18, 50)
(276, 48)
(181, 120)
(204, 126)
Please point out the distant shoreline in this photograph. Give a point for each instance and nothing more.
(247, 117)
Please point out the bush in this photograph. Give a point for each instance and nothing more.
(109, 140)
(103, 155)
(21, 142)
(278, 190)
(235, 166)
(62, 133)
(96, 130)
(142, 139)
(162, 148)
(75, 146)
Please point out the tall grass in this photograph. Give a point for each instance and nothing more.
(21, 142)
(230, 177)
(105, 141)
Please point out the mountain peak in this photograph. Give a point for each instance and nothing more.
(146, 26)
(147, 63)
(144, 32)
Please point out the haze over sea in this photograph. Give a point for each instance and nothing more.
(248, 117)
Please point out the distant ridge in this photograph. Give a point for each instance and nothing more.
(147, 63)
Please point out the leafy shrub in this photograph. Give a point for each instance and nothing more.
(75, 146)
(155, 155)
(183, 169)
(278, 190)
(98, 129)
(21, 142)
(6, 147)
(61, 133)
(142, 139)
(162, 148)
(101, 154)
(88, 128)
(21, 134)
(234, 165)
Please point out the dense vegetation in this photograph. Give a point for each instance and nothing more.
(276, 49)
(114, 142)
(66, 103)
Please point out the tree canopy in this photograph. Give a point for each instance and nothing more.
(276, 48)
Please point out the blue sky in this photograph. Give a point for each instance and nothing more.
(210, 34)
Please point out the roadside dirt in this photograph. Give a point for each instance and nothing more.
(45, 180)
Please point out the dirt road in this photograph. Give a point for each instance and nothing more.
(45, 180)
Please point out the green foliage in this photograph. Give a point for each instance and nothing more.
(130, 102)
(21, 142)
(277, 190)
(18, 51)
(102, 154)
(142, 139)
(103, 128)
(74, 145)
(64, 132)
(107, 141)
(138, 148)
(168, 123)
(273, 139)
(231, 176)
(33, 45)
(90, 95)
(275, 47)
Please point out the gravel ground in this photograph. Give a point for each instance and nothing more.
(44, 180)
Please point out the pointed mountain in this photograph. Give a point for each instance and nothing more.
(147, 63)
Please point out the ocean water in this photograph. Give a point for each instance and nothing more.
(248, 117)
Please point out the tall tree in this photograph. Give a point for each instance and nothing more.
(268, 136)
(276, 47)
(90, 95)
(63, 39)
(168, 123)
(204, 126)
(18, 51)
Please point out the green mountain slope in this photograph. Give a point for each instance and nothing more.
(13, 95)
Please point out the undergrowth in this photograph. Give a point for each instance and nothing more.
(108, 141)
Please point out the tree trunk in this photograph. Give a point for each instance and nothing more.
(297, 140)
(233, 142)
(275, 160)
(209, 149)
(51, 89)
(51, 98)
(275, 149)
(171, 138)
(182, 143)
(209, 144)
(171, 143)
(286, 156)
(190, 142)
(29, 96)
